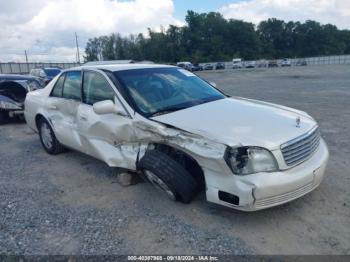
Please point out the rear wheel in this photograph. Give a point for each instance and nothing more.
(168, 176)
(48, 138)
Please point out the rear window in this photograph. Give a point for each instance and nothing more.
(71, 87)
(57, 90)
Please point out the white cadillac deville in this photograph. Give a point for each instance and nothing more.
(181, 133)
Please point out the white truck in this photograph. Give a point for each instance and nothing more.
(237, 63)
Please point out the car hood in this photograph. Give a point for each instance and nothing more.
(239, 121)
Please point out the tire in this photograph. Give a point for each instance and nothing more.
(179, 184)
(48, 139)
(3, 117)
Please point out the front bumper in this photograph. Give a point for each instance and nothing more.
(264, 190)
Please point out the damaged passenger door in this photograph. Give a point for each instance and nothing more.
(103, 134)
(62, 106)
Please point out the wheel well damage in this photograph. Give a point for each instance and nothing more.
(184, 159)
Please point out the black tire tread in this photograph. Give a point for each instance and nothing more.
(174, 175)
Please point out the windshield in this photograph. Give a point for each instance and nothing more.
(52, 72)
(157, 91)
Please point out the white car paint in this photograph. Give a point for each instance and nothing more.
(204, 132)
(286, 62)
(237, 63)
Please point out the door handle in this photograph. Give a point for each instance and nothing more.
(52, 107)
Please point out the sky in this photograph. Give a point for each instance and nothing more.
(45, 28)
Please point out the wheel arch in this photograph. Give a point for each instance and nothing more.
(183, 158)
(38, 117)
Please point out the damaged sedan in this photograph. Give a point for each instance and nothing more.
(181, 133)
(13, 90)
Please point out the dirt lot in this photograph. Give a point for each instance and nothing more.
(71, 203)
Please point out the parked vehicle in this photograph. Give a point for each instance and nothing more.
(273, 63)
(208, 67)
(197, 67)
(250, 64)
(220, 65)
(173, 127)
(262, 63)
(13, 90)
(237, 63)
(45, 75)
(185, 65)
(301, 62)
(286, 62)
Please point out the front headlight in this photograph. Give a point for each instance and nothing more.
(249, 160)
(9, 105)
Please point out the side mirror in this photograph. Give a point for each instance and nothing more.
(212, 84)
(106, 107)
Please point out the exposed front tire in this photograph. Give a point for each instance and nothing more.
(169, 176)
(48, 139)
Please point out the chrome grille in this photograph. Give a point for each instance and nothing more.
(280, 199)
(300, 148)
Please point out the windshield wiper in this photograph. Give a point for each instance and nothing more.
(167, 110)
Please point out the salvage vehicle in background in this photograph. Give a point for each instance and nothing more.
(262, 63)
(181, 133)
(237, 63)
(286, 62)
(220, 65)
(301, 62)
(197, 67)
(250, 64)
(208, 67)
(45, 75)
(273, 63)
(13, 90)
(185, 65)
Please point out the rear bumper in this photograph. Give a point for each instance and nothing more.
(265, 190)
(14, 113)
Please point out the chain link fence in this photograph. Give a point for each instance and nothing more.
(320, 60)
(325, 60)
(24, 68)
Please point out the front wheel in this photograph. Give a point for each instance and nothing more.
(48, 138)
(168, 176)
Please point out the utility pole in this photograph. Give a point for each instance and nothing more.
(25, 53)
(76, 42)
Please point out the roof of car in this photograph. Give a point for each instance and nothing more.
(119, 67)
(16, 77)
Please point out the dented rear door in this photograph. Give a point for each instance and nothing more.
(62, 108)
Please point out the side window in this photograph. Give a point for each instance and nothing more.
(96, 88)
(57, 90)
(71, 87)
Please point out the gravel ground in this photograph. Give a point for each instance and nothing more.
(71, 203)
